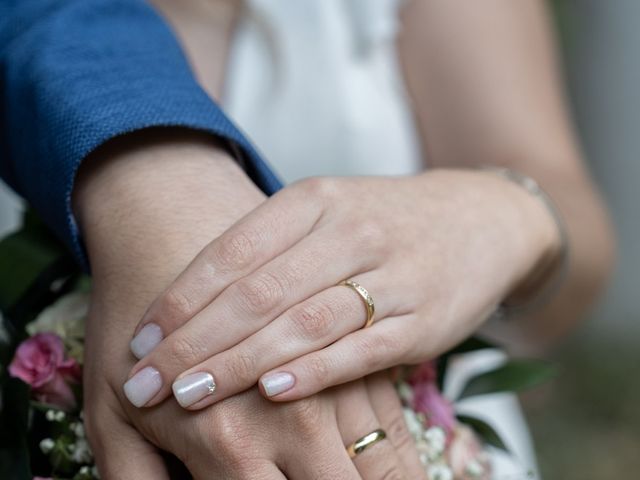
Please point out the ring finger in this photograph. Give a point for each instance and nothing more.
(242, 309)
(357, 419)
(386, 403)
(304, 328)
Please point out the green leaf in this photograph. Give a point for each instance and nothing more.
(471, 344)
(513, 376)
(485, 431)
(24, 255)
(14, 454)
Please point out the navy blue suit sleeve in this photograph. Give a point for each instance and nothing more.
(76, 73)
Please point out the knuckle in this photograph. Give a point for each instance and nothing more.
(183, 350)
(319, 187)
(261, 293)
(305, 414)
(235, 251)
(313, 320)
(175, 304)
(367, 232)
(242, 367)
(230, 439)
(376, 350)
(319, 369)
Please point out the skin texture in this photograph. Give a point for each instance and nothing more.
(266, 285)
(126, 196)
(484, 83)
(429, 248)
(487, 90)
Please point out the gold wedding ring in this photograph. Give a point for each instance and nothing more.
(368, 300)
(360, 445)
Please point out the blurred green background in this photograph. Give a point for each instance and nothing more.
(586, 423)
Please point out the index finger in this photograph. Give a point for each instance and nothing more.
(258, 237)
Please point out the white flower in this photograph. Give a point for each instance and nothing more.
(475, 469)
(84, 470)
(405, 392)
(55, 415)
(413, 424)
(78, 429)
(436, 438)
(81, 453)
(67, 314)
(47, 445)
(65, 318)
(440, 472)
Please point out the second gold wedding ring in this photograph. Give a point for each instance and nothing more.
(368, 300)
(365, 442)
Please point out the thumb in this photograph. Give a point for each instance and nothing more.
(123, 454)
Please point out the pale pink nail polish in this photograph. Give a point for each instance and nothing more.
(193, 388)
(276, 383)
(143, 386)
(146, 340)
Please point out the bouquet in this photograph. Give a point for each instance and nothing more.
(44, 301)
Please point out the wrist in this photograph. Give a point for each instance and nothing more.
(544, 246)
(158, 193)
(504, 222)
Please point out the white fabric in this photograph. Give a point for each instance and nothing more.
(316, 98)
(317, 86)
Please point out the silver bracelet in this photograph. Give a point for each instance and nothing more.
(559, 275)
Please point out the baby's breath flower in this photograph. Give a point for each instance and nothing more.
(78, 429)
(46, 445)
(81, 453)
(413, 423)
(436, 438)
(405, 392)
(440, 472)
(475, 469)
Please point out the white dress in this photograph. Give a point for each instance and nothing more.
(317, 87)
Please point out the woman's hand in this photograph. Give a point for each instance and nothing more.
(437, 252)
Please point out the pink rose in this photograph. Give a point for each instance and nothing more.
(40, 361)
(42, 478)
(424, 373)
(428, 400)
(466, 457)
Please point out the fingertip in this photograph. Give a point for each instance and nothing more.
(146, 339)
(194, 390)
(274, 384)
(142, 387)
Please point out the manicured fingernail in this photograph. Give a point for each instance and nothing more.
(146, 340)
(143, 386)
(193, 388)
(276, 383)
